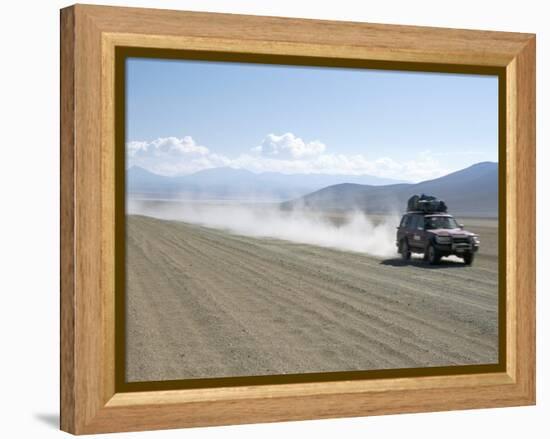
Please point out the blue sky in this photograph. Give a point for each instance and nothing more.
(184, 116)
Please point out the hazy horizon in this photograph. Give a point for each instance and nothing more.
(134, 166)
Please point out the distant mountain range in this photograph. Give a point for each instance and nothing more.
(472, 191)
(237, 184)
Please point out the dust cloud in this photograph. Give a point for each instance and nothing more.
(351, 231)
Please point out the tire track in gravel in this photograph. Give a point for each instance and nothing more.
(366, 318)
(204, 303)
(288, 306)
(322, 285)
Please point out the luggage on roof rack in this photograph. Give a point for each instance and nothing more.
(426, 203)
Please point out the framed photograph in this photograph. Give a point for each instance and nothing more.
(268, 219)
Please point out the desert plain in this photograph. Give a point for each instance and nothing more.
(205, 302)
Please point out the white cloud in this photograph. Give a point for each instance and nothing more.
(287, 154)
(173, 156)
(424, 167)
(167, 146)
(288, 146)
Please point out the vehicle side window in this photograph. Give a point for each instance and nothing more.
(404, 221)
(412, 222)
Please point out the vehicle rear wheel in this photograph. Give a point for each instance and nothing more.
(405, 250)
(468, 258)
(433, 255)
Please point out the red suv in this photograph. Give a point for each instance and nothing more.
(435, 235)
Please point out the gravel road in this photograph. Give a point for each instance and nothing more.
(205, 303)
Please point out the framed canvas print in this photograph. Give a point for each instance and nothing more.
(268, 219)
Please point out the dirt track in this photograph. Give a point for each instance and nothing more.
(205, 303)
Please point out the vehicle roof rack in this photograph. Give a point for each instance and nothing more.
(426, 204)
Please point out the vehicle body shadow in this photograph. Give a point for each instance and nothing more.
(420, 263)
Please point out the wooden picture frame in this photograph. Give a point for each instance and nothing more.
(91, 402)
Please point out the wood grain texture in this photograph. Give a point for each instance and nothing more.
(107, 221)
(511, 224)
(88, 275)
(89, 37)
(373, 41)
(67, 254)
(524, 252)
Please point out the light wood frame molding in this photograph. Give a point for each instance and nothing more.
(89, 36)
